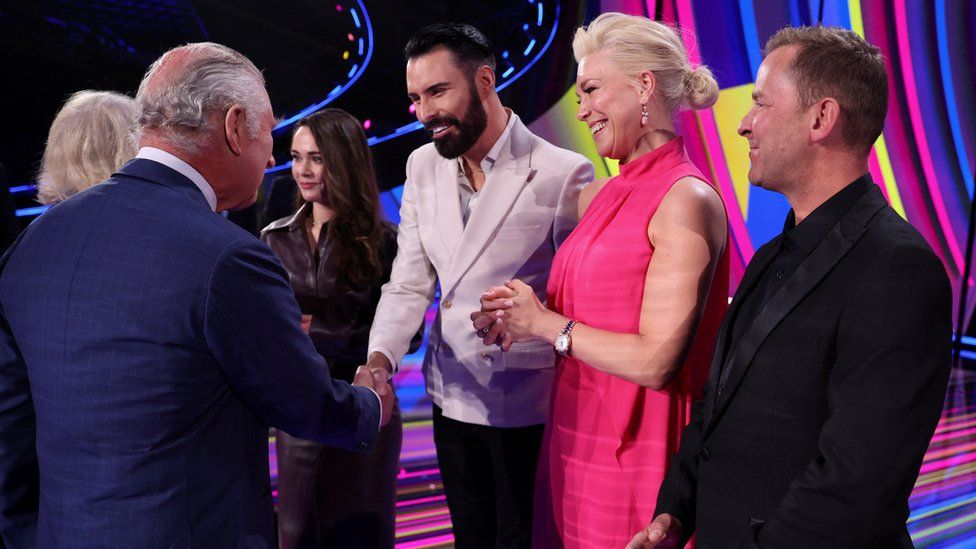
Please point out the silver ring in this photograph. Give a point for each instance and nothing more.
(483, 331)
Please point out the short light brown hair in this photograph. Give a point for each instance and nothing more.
(91, 137)
(835, 62)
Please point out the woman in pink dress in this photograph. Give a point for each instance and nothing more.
(635, 295)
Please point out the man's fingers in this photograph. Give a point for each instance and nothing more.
(507, 341)
(639, 541)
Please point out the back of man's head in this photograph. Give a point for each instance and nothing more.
(470, 49)
(835, 62)
(184, 89)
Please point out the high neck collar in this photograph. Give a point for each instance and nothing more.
(664, 157)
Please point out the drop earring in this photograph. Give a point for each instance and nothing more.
(643, 115)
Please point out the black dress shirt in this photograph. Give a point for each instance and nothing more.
(796, 243)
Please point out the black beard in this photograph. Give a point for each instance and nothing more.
(470, 128)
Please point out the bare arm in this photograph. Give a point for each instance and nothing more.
(688, 233)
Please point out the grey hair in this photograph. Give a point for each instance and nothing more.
(636, 44)
(180, 103)
(92, 135)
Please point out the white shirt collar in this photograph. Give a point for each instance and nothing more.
(175, 163)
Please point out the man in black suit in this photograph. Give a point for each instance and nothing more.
(831, 366)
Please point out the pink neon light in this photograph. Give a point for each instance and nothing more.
(950, 435)
(915, 114)
(875, 168)
(686, 18)
(421, 473)
(408, 502)
(338, 7)
(429, 542)
(948, 463)
(367, 124)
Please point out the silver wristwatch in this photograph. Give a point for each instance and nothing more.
(564, 340)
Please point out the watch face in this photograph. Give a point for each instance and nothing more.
(562, 343)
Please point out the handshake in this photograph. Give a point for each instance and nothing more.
(376, 375)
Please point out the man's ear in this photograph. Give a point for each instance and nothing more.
(234, 128)
(484, 79)
(825, 119)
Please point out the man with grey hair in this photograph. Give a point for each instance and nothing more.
(146, 343)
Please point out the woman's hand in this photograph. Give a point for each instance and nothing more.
(490, 327)
(517, 306)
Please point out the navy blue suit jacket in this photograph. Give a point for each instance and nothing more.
(149, 343)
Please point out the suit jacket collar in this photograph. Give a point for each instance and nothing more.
(835, 245)
(503, 184)
(154, 172)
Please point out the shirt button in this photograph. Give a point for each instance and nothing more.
(721, 390)
(705, 454)
(447, 304)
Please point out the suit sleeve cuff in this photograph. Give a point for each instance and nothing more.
(379, 401)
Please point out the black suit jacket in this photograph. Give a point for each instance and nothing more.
(816, 437)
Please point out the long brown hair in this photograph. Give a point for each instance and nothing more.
(355, 231)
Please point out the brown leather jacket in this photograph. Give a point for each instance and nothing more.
(341, 317)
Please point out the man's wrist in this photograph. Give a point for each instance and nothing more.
(378, 360)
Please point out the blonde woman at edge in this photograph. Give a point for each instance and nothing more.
(635, 295)
(91, 137)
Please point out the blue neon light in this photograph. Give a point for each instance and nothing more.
(352, 71)
(545, 47)
(23, 189)
(283, 167)
(538, 20)
(747, 13)
(966, 340)
(525, 26)
(950, 94)
(355, 18)
(37, 210)
(529, 47)
(505, 54)
(508, 72)
(342, 88)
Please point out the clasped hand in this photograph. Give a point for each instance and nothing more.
(508, 314)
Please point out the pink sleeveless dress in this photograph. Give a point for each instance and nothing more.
(608, 441)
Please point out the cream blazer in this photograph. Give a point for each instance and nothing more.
(526, 208)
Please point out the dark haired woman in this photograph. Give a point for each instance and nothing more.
(338, 253)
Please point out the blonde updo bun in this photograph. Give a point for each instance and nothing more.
(636, 44)
(701, 89)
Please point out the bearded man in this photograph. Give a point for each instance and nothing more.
(486, 201)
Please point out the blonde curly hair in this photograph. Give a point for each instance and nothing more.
(93, 134)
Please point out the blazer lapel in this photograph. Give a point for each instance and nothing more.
(821, 261)
(448, 216)
(764, 256)
(502, 187)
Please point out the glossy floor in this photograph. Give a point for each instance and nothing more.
(943, 503)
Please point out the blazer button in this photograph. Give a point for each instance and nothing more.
(487, 357)
(705, 454)
(446, 304)
(362, 445)
(721, 390)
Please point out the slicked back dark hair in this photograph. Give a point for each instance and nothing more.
(470, 49)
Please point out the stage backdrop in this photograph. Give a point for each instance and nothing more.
(923, 162)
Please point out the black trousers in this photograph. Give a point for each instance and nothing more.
(489, 478)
